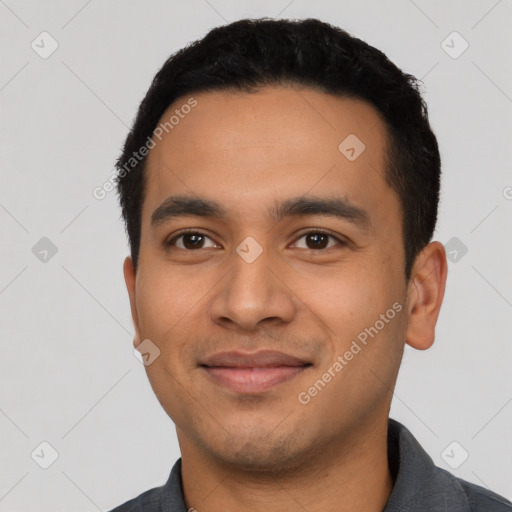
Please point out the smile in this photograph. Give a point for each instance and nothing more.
(253, 380)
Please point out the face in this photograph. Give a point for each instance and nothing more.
(281, 313)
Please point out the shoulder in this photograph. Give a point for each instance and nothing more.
(168, 497)
(444, 492)
(148, 501)
(481, 499)
(421, 485)
(476, 497)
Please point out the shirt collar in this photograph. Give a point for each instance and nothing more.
(419, 483)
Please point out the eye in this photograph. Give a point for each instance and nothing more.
(194, 240)
(191, 240)
(319, 240)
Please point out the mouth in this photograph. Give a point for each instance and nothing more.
(253, 373)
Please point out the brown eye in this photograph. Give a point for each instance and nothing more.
(318, 240)
(189, 241)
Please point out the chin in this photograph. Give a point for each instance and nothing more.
(260, 453)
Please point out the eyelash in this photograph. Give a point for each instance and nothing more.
(170, 243)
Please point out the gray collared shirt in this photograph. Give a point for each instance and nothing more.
(419, 485)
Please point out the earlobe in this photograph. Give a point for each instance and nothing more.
(426, 293)
(130, 278)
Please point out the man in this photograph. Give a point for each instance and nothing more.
(280, 189)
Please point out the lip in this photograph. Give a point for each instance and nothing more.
(252, 373)
(260, 359)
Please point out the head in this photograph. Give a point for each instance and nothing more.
(302, 163)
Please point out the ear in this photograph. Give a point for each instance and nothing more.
(425, 295)
(129, 278)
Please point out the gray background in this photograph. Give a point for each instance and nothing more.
(68, 374)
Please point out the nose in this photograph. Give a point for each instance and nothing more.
(252, 294)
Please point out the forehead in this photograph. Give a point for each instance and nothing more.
(246, 150)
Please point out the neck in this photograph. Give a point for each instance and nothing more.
(351, 474)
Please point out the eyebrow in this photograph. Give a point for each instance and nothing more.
(339, 207)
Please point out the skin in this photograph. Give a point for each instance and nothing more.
(246, 151)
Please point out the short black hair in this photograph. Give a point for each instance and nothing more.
(252, 53)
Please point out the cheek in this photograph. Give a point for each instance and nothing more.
(350, 302)
(341, 295)
(162, 301)
(352, 310)
(173, 306)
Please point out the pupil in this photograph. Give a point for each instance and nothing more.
(316, 237)
(195, 237)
